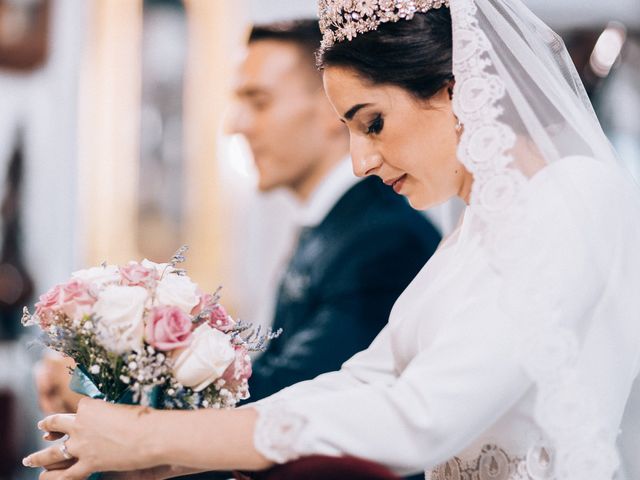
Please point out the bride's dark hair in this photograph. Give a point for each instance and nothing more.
(412, 54)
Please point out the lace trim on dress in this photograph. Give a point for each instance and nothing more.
(494, 463)
(564, 407)
(277, 431)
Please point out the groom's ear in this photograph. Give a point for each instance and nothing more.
(328, 117)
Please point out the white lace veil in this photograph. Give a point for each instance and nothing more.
(523, 108)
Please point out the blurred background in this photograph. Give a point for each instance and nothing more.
(113, 147)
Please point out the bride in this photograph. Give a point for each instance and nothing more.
(515, 352)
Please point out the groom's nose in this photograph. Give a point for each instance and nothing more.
(365, 159)
(239, 120)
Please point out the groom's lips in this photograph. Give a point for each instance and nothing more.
(396, 183)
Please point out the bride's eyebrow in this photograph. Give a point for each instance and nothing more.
(353, 110)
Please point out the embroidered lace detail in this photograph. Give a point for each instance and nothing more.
(485, 141)
(493, 463)
(276, 432)
(564, 406)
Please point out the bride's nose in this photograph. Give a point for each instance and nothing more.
(365, 159)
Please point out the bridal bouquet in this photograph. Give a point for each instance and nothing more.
(144, 333)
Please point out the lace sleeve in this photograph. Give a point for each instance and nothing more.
(277, 432)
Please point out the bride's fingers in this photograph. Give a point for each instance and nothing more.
(48, 456)
(60, 423)
(61, 465)
(52, 436)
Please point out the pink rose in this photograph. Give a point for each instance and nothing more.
(168, 328)
(51, 299)
(237, 374)
(205, 301)
(48, 304)
(136, 274)
(220, 319)
(77, 291)
(212, 312)
(77, 298)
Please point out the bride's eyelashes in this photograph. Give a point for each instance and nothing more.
(375, 127)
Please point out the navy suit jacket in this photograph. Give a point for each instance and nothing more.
(341, 283)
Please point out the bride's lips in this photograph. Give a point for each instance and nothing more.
(396, 183)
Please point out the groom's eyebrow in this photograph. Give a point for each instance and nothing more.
(353, 110)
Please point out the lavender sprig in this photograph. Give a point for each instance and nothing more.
(179, 256)
(252, 338)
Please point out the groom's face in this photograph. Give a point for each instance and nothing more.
(280, 110)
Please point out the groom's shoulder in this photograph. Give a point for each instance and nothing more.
(373, 240)
(371, 216)
(370, 204)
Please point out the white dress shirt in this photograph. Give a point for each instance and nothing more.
(332, 187)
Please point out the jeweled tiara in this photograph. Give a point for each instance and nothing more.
(345, 19)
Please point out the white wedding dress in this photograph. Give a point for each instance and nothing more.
(441, 388)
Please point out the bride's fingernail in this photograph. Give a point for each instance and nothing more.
(39, 425)
(26, 462)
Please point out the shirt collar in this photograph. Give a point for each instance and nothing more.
(332, 187)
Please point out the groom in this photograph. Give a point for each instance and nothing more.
(359, 243)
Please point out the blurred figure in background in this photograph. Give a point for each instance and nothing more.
(607, 57)
(359, 244)
(24, 28)
(25, 53)
(16, 288)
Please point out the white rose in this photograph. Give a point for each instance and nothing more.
(119, 312)
(177, 291)
(98, 275)
(161, 269)
(205, 359)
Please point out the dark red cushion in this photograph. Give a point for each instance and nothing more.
(324, 468)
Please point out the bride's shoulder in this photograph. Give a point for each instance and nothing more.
(585, 191)
(579, 168)
(586, 179)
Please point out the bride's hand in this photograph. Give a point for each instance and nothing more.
(101, 437)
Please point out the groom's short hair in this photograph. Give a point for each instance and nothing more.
(303, 33)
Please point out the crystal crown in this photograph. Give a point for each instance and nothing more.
(345, 19)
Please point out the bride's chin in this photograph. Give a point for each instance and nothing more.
(421, 202)
(417, 203)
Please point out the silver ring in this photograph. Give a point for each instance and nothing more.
(65, 451)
